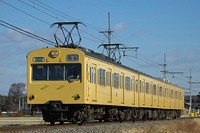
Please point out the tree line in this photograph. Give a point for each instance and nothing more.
(15, 101)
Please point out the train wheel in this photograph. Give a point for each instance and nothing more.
(52, 122)
(61, 122)
(133, 118)
(121, 116)
(74, 121)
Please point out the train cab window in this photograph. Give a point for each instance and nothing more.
(73, 72)
(56, 72)
(52, 72)
(39, 72)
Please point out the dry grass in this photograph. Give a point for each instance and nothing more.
(176, 126)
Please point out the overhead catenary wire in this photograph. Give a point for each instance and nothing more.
(25, 12)
(27, 33)
(48, 8)
(57, 12)
(39, 10)
(64, 15)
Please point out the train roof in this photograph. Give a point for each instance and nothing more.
(102, 57)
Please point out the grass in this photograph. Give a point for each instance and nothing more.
(175, 126)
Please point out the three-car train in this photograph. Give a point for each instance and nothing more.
(77, 85)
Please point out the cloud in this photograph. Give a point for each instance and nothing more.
(181, 58)
(13, 49)
(15, 39)
(119, 26)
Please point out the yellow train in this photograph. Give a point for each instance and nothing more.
(77, 85)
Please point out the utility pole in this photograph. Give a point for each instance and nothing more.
(108, 34)
(165, 69)
(190, 82)
(114, 50)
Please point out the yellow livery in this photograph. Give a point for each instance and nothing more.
(77, 84)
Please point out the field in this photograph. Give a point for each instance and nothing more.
(191, 125)
(175, 126)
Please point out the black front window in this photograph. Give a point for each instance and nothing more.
(39, 72)
(57, 72)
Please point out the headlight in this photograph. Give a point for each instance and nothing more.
(54, 53)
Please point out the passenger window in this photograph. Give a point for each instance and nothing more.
(93, 75)
(136, 83)
(116, 80)
(154, 89)
(108, 76)
(147, 87)
(101, 77)
(161, 91)
(127, 83)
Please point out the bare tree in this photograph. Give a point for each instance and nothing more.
(198, 100)
(2, 103)
(14, 95)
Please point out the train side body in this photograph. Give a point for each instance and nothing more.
(155, 93)
(75, 84)
(106, 83)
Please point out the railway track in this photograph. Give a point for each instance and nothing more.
(97, 127)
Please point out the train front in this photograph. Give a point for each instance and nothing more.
(55, 82)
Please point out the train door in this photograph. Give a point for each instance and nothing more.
(87, 81)
(133, 88)
(158, 94)
(93, 82)
(142, 92)
(164, 96)
(155, 99)
(122, 87)
(151, 93)
(109, 85)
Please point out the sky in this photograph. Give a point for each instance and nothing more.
(157, 27)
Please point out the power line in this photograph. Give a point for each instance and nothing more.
(53, 10)
(48, 8)
(24, 32)
(190, 82)
(57, 12)
(25, 12)
(34, 7)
